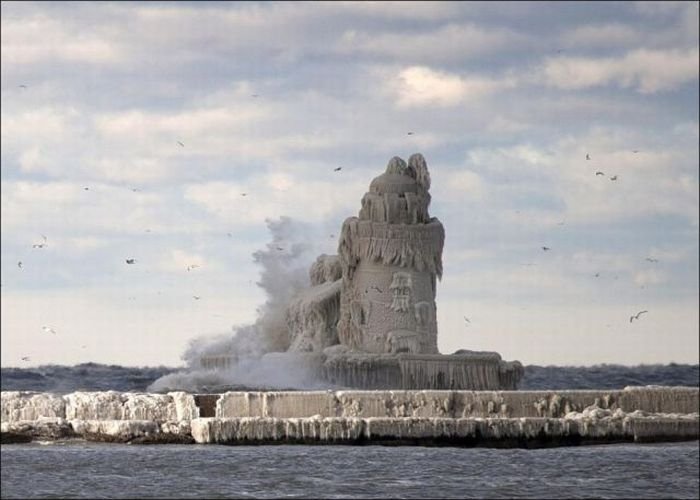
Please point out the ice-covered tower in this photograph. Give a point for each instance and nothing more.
(391, 256)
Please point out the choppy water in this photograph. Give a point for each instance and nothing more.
(96, 377)
(91, 470)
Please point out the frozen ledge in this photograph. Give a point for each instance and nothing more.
(466, 432)
(458, 418)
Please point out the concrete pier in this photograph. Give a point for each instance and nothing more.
(452, 418)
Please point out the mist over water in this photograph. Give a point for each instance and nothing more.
(284, 263)
(259, 347)
(95, 377)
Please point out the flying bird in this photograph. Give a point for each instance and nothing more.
(25, 358)
(597, 275)
(409, 133)
(244, 194)
(131, 261)
(196, 297)
(635, 151)
(467, 320)
(588, 157)
(636, 316)
(650, 259)
(613, 178)
(192, 266)
(48, 329)
(600, 173)
(181, 144)
(19, 264)
(86, 188)
(40, 245)
(135, 190)
(22, 86)
(337, 169)
(254, 95)
(546, 249)
(279, 248)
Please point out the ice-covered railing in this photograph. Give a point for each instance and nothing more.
(109, 405)
(180, 406)
(456, 418)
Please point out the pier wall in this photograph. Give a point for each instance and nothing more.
(458, 418)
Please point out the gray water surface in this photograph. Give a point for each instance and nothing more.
(91, 470)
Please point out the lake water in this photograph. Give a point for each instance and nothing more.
(92, 470)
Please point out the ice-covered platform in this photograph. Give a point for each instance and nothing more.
(453, 418)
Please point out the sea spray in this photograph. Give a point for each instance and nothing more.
(249, 349)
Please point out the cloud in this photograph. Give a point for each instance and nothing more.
(40, 39)
(460, 186)
(178, 261)
(650, 277)
(647, 71)
(421, 86)
(446, 44)
(602, 36)
(276, 194)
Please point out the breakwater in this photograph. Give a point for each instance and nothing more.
(458, 418)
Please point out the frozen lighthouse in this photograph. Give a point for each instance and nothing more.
(391, 257)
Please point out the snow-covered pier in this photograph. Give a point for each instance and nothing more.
(453, 418)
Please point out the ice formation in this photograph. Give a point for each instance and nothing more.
(367, 318)
(502, 418)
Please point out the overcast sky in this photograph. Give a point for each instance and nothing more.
(130, 130)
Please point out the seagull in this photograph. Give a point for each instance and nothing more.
(22, 86)
(229, 235)
(636, 316)
(244, 194)
(40, 245)
(279, 248)
(181, 144)
(651, 259)
(86, 188)
(192, 266)
(600, 173)
(409, 133)
(48, 329)
(254, 95)
(332, 236)
(196, 297)
(19, 264)
(337, 169)
(588, 157)
(613, 178)
(467, 319)
(527, 264)
(131, 261)
(25, 358)
(546, 249)
(135, 190)
(635, 151)
(597, 275)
